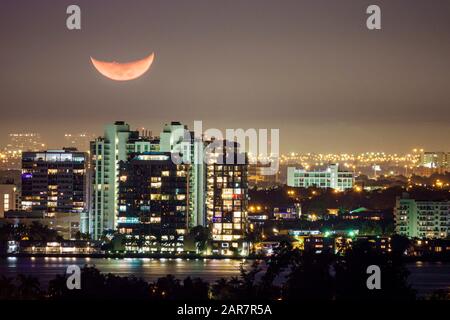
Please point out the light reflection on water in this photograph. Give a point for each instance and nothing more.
(425, 276)
(147, 268)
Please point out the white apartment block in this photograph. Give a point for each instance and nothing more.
(422, 219)
(331, 177)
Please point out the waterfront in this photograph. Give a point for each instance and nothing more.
(425, 277)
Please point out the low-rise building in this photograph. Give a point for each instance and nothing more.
(291, 212)
(430, 248)
(67, 247)
(9, 198)
(66, 224)
(422, 219)
(331, 177)
(363, 214)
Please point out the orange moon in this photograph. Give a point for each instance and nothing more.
(123, 71)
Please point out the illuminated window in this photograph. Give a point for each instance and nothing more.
(26, 205)
(155, 220)
(181, 173)
(227, 193)
(228, 203)
(155, 196)
(6, 202)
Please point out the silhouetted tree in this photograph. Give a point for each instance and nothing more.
(28, 288)
(201, 237)
(7, 288)
(351, 275)
(310, 278)
(399, 244)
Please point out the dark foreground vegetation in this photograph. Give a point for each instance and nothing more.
(288, 275)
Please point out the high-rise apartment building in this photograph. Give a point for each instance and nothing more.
(117, 144)
(331, 177)
(422, 219)
(153, 203)
(151, 190)
(227, 199)
(176, 139)
(54, 181)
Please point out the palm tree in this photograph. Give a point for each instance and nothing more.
(29, 287)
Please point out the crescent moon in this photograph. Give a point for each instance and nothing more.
(123, 71)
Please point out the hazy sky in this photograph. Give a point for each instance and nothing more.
(310, 68)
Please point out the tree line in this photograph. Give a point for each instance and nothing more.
(288, 275)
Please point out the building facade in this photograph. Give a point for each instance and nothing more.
(422, 219)
(227, 200)
(54, 181)
(331, 177)
(435, 161)
(66, 224)
(176, 139)
(8, 198)
(153, 203)
(117, 144)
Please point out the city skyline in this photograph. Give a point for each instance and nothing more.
(308, 68)
(224, 157)
(81, 139)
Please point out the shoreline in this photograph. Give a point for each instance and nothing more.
(119, 256)
(132, 255)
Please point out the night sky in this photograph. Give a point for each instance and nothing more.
(310, 68)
